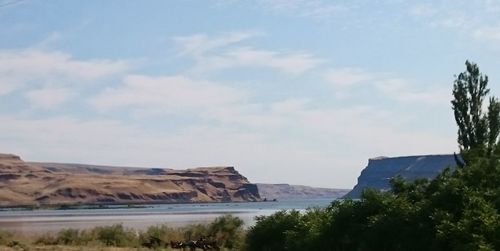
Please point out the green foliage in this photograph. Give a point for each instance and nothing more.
(308, 233)
(46, 239)
(289, 230)
(270, 232)
(5, 237)
(228, 231)
(69, 237)
(159, 236)
(17, 245)
(477, 132)
(115, 235)
(469, 91)
(195, 232)
(458, 210)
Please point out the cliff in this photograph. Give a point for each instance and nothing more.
(290, 192)
(32, 183)
(380, 170)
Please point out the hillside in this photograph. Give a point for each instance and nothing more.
(288, 192)
(33, 183)
(380, 170)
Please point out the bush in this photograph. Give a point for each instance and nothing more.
(194, 232)
(115, 235)
(69, 237)
(308, 233)
(46, 239)
(17, 245)
(270, 232)
(225, 232)
(159, 236)
(5, 237)
(228, 231)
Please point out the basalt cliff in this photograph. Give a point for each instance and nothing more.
(298, 192)
(38, 184)
(380, 170)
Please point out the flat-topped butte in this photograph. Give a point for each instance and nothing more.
(42, 184)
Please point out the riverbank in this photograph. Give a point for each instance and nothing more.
(175, 215)
(225, 232)
(70, 248)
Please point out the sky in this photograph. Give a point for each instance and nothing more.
(287, 91)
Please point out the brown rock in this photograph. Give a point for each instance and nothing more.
(32, 183)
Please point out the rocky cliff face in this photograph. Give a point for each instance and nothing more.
(380, 170)
(289, 192)
(23, 183)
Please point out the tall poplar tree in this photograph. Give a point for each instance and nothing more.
(478, 130)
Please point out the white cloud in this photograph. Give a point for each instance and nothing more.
(167, 94)
(402, 90)
(491, 5)
(289, 105)
(491, 33)
(293, 63)
(455, 20)
(425, 10)
(475, 18)
(48, 98)
(348, 76)
(33, 67)
(199, 44)
(316, 9)
(396, 88)
(219, 52)
(369, 131)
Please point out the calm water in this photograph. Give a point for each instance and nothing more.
(174, 215)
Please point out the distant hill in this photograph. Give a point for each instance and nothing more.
(288, 192)
(380, 170)
(35, 183)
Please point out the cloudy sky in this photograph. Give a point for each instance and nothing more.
(289, 91)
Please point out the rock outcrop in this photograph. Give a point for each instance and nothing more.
(380, 170)
(293, 192)
(35, 184)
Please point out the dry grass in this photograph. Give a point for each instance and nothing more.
(225, 232)
(71, 248)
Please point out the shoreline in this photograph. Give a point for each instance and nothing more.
(143, 217)
(112, 205)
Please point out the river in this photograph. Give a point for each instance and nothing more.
(174, 215)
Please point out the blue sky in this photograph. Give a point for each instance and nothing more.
(294, 91)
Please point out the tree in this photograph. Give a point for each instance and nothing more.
(477, 131)
(457, 210)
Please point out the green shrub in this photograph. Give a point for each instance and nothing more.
(228, 231)
(115, 235)
(17, 245)
(308, 233)
(270, 232)
(46, 239)
(5, 237)
(69, 237)
(159, 236)
(194, 232)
